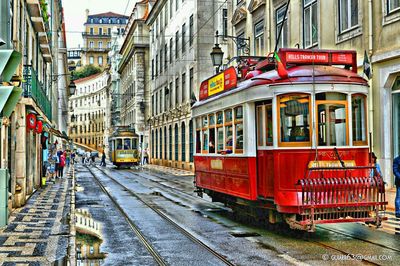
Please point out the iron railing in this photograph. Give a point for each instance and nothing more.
(34, 89)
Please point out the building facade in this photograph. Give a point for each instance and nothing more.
(181, 39)
(97, 36)
(365, 26)
(88, 111)
(134, 95)
(33, 124)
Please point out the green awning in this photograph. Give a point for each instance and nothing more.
(12, 101)
(5, 92)
(9, 61)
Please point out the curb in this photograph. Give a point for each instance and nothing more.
(71, 253)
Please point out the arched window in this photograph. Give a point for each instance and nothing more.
(101, 21)
(191, 141)
(176, 143)
(183, 142)
(165, 143)
(170, 142)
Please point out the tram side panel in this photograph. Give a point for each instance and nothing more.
(235, 176)
(265, 170)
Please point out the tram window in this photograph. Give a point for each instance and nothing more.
(228, 138)
(127, 144)
(239, 129)
(211, 144)
(228, 116)
(219, 118)
(198, 135)
(119, 144)
(268, 124)
(205, 134)
(294, 118)
(332, 119)
(358, 106)
(220, 139)
(260, 126)
(134, 143)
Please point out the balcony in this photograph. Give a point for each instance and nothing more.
(33, 88)
(93, 49)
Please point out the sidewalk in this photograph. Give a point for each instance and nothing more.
(168, 170)
(37, 234)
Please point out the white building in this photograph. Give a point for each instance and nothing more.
(88, 111)
(181, 39)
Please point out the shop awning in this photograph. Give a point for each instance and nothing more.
(9, 96)
(57, 133)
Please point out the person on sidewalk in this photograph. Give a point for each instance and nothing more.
(61, 165)
(56, 160)
(146, 156)
(67, 157)
(103, 159)
(396, 172)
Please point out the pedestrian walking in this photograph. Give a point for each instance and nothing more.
(61, 165)
(56, 159)
(396, 172)
(376, 164)
(73, 157)
(103, 159)
(67, 157)
(146, 156)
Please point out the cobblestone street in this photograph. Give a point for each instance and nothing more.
(38, 233)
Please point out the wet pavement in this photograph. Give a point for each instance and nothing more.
(240, 242)
(37, 234)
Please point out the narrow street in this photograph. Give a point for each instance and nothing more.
(149, 217)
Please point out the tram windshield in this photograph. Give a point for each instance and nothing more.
(134, 143)
(119, 144)
(127, 144)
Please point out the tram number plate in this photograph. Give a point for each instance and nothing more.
(316, 164)
(217, 164)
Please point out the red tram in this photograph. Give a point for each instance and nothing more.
(292, 144)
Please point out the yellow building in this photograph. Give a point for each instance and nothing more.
(97, 36)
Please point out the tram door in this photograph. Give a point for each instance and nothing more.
(265, 156)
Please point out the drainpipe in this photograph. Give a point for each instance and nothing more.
(370, 90)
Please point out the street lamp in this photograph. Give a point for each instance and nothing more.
(72, 88)
(217, 54)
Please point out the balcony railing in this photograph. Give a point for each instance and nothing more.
(33, 88)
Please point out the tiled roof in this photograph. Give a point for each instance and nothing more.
(87, 78)
(109, 14)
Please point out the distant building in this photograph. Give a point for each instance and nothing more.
(88, 111)
(97, 36)
(74, 58)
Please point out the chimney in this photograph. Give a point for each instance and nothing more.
(87, 14)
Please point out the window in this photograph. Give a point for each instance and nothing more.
(109, 31)
(100, 31)
(239, 48)
(91, 44)
(161, 60)
(191, 30)
(183, 142)
(280, 13)
(220, 132)
(152, 68)
(170, 51)
(183, 87)
(183, 37)
(224, 22)
(348, 14)
(176, 44)
(91, 60)
(176, 143)
(259, 38)
(310, 24)
(239, 129)
(170, 142)
(205, 134)
(176, 5)
(264, 124)
(294, 115)
(228, 131)
(191, 84)
(157, 146)
(152, 104)
(171, 4)
(100, 44)
(101, 21)
(165, 56)
(165, 142)
(331, 119)
(156, 73)
(191, 141)
(91, 31)
(212, 143)
(127, 144)
(176, 91)
(166, 14)
(161, 143)
(359, 115)
(392, 5)
(100, 60)
(152, 144)
(109, 45)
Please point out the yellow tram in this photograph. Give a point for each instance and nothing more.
(124, 147)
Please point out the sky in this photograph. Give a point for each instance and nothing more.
(74, 15)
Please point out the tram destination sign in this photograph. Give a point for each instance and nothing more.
(307, 57)
(218, 83)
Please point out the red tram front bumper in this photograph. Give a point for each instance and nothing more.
(335, 195)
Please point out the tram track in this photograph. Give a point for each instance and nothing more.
(153, 252)
(137, 231)
(326, 246)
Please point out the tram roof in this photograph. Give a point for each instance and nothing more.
(296, 75)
